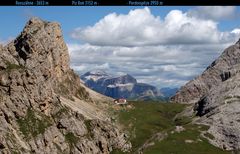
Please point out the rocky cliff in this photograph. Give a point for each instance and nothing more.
(124, 86)
(44, 108)
(215, 95)
(213, 76)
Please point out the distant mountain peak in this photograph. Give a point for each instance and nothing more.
(123, 85)
(126, 79)
(94, 75)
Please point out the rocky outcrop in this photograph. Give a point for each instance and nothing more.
(220, 110)
(119, 86)
(216, 98)
(41, 99)
(212, 77)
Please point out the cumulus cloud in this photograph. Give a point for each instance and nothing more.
(236, 31)
(214, 12)
(166, 51)
(140, 28)
(152, 64)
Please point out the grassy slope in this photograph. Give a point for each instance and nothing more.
(147, 119)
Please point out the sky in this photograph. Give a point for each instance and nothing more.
(162, 46)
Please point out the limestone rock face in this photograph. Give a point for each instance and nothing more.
(220, 109)
(43, 103)
(213, 76)
(216, 98)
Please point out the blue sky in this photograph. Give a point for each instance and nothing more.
(162, 46)
(72, 17)
(69, 17)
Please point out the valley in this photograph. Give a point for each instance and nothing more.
(157, 128)
(45, 107)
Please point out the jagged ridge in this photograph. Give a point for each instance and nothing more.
(44, 108)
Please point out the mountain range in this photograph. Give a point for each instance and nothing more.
(123, 86)
(46, 108)
(168, 92)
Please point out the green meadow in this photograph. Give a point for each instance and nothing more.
(151, 127)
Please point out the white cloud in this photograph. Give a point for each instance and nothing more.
(140, 27)
(236, 31)
(79, 68)
(104, 66)
(214, 12)
(164, 52)
(169, 68)
(175, 63)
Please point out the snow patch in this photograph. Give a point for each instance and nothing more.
(120, 85)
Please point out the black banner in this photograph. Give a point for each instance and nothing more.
(115, 2)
